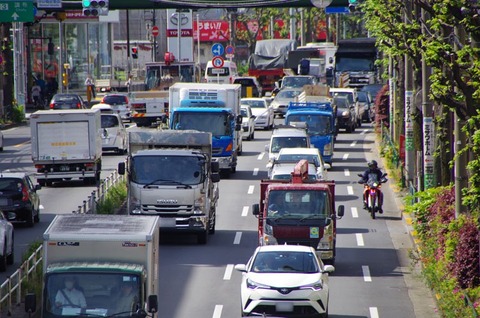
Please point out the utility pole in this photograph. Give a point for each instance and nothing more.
(409, 131)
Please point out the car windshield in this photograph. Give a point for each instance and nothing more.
(299, 81)
(243, 112)
(285, 262)
(109, 121)
(286, 158)
(362, 97)
(114, 100)
(341, 102)
(288, 142)
(253, 103)
(288, 94)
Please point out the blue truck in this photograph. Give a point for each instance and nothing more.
(213, 108)
(319, 118)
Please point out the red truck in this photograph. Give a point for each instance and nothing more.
(299, 211)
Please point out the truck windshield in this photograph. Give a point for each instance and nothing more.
(316, 124)
(354, 64)
(216, 123)
(91, 294)
(186, 170)
(297, 81)
(295, 204)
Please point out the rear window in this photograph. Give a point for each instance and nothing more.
(115, 100)
(10, 184)
(109, 121)
(244, 82)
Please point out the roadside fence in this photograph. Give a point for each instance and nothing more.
(11, 290)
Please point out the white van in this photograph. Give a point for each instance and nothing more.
(222, 75)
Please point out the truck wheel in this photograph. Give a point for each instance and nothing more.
(202, 237)
(3, 259)
(213, 221)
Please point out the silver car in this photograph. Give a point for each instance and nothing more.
(264, 117)
(283, 98)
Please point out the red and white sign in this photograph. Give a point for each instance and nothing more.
(212, 31)
(155, 31)
(217, 62)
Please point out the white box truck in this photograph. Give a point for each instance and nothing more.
(213, 108)
(90, 260)
(66, 144)
(171, 174)
(148, 107)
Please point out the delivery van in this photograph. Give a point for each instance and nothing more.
(222, 75)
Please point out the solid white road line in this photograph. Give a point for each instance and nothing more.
(238, 237)
(353, 144)
(260, 156)
(354, 212)
(345, 156)
(366, 273)
(245, 211)
(250, 189)
(350, 190)
(255, 171)
(373, 312)
(228, 272)
(359, 239)
(346, 172)
(217, 313)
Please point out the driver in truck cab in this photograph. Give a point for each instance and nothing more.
(276, 205)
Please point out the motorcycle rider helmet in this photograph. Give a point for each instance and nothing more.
(372, 164)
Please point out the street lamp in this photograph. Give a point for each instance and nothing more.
(321, 3)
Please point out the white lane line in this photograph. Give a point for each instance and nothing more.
(260, 156)
(238, 237)
(373, 312)
(255, 171)
(228, 272)
(250, 189)
(359, 239)
(217, 313)
(245, 211)
(345, 156)
(366, 273)
(353, 144)
(354, 212)
(350, 190)
(347, 172)
(365, 131)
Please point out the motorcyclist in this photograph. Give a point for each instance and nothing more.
(372, 172)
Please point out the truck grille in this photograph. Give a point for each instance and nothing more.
(216, 151)
(306, 242)
(168, 210)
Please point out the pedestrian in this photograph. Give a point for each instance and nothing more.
(129, 83)
(90, 84)
(36, 95)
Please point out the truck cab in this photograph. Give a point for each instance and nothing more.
(299, 211)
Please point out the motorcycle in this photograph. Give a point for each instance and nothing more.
(373, 186)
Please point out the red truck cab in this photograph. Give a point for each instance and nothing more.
(299, 211)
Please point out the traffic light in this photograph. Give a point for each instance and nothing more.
(134, 52)
(352, 5)
(95, 7)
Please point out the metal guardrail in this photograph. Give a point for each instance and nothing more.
(11, 289)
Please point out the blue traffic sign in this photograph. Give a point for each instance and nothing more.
(333, 10)
(217, 49)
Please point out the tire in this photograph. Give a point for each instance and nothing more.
(36, 218)
(211, 230)
(3, 259)
(371, 207)
(11, 256)
(31, 218)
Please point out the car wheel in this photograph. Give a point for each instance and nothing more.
(37, 216)
(3, 258)
(11, 256)
(31, 218)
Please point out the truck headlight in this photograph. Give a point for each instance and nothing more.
(268, 238)
(199, 205)
(135, 206)
(327, 149)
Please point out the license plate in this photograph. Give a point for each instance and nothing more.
(168, 222)
(284, 307)
(64, 168)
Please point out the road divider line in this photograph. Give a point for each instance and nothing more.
(350, 190)
(250, 189)
(354, 212)
(365, 131)
(366, 273)
(238, 237)
(245, 211)
(345, 156)
(373, 312)
(260, 156)
(360, 239)
(255, 171)
(217, 312)
(228, 272)
(346, 172)
(353, 144)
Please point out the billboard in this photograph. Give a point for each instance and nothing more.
(180, 22)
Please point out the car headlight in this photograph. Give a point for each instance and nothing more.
(315, 286)
(254, 285)
(346, 114)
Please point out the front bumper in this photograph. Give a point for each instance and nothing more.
(223, 162)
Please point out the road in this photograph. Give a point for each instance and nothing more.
(373, 277)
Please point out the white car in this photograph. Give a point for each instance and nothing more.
(248, 127)
(283, 171)
(284, 136)
(294, 155)
(285, 279)
(120, 104)
(6, 243)
(114, 131)
(263, 113)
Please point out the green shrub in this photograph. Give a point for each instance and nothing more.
(115, 197)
